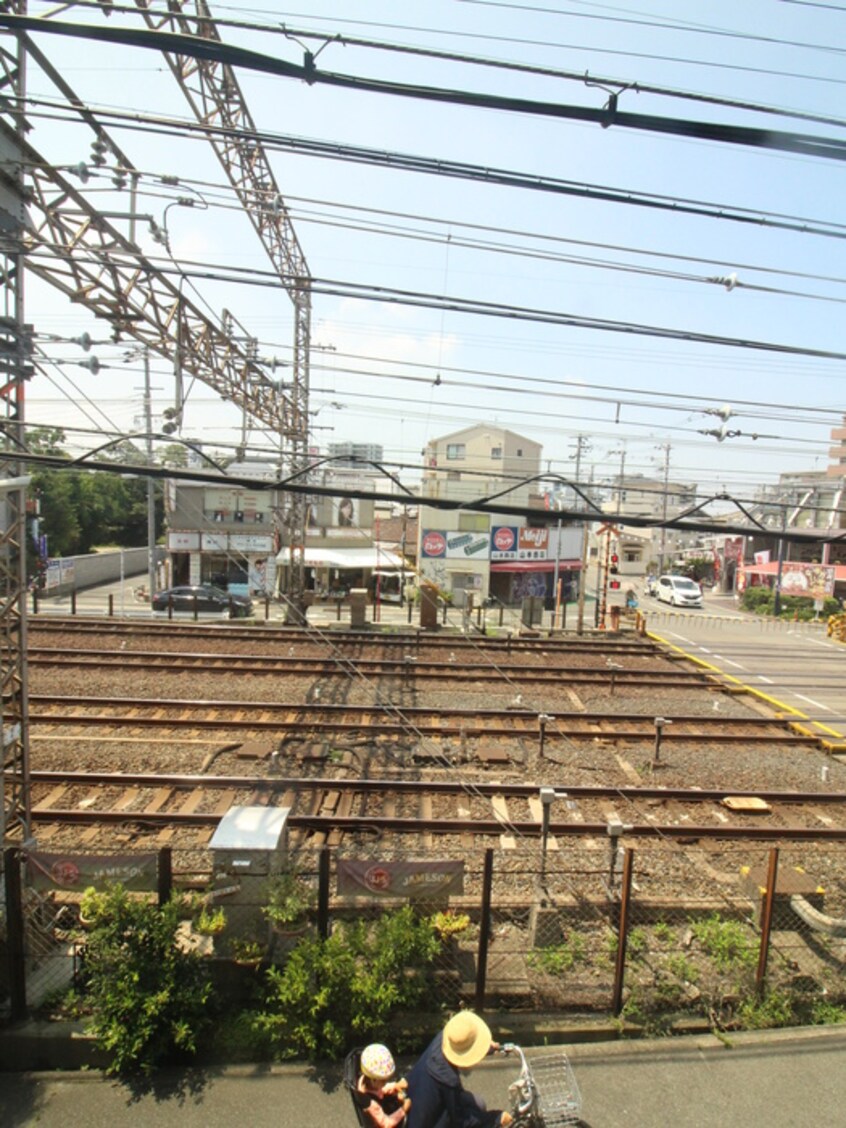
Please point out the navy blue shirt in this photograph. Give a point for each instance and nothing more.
(438, 1099)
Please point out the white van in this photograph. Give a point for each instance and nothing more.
(679, 591)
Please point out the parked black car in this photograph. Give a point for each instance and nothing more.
(203, 598)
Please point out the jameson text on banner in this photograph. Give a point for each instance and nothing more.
(77, 872)
(400, 879)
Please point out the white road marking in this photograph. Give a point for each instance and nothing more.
(729, 662)
(821, 642)
(810, 700)
(764, 678)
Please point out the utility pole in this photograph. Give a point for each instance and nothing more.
(777, 592)
(662, 552)
(622, 454)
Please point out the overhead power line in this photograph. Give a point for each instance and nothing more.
(215, 51)
(418, 299)
(559, 74)
(685, 522)
(659, 25)
(477, 173)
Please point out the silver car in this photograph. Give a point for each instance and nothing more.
(679, 591)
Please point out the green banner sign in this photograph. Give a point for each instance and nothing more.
(76, 872)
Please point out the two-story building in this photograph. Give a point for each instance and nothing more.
(222, 534)
(510, 558)
(352, 542)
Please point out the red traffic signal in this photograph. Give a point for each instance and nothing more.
(614, 585)
(615, 560)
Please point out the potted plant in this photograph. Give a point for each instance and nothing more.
(290, 898)
(246, 952)
(92, 905)
(210, 920)
(448, 926)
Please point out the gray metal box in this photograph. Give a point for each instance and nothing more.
(250, 840)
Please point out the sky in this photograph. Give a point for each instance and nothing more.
(400, 375)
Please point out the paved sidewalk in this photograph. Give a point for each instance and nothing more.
(783, 1079)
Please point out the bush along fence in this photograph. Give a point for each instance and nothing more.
(337, 946)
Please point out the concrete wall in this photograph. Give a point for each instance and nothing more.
(103, 568)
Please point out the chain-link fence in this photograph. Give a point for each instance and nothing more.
(656, 933)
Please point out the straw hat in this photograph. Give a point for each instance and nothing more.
(467, 1039)
(377, 1062)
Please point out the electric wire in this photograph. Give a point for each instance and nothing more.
(217, 51)
(297, 34)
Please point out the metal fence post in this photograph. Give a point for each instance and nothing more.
(15, 932)
(323, 893)
(484, 931)
(766, 922)
(164, 880)
(622, 931)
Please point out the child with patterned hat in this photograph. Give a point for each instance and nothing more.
(383, 1100)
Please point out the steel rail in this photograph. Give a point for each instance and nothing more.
(335, 636)
(415, 786)
(378, 824)
(343, 666)
(401, 720)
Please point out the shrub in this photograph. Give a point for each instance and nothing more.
(290, 898)
(334, 991)
(759, 598)
(147, 998)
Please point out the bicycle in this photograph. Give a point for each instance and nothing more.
(545, 1094)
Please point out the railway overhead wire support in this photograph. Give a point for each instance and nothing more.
(14, 372)
(211, 89)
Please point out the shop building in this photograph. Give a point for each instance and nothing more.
(462, 552)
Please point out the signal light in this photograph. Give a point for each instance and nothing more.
(614, 585)
(615, 560)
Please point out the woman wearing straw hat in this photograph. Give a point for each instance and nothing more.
(438, 1099)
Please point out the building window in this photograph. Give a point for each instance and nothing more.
(456, 450)
(496, 452)
(453, 475)
(519, 452)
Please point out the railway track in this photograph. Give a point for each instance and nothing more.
(150, 804)
(316, 718)
(280, 636)
(441, 787)
(408, 666)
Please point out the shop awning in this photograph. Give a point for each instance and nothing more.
(535, 566)
(357, 558)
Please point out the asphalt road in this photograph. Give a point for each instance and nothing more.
(795, 663)
(784, 1079)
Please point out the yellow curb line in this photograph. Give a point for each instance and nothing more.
(781, 705)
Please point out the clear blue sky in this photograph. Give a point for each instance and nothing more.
(549, 382)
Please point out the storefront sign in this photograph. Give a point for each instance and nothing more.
(258, 545)
(183, 542)
(814, 580)
(215, 542)
(433, 543)
(400, 879)
(454, 545)
(79, 871)
(525, 543)
(503, 542)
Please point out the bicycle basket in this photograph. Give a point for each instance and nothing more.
(559, 1100)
